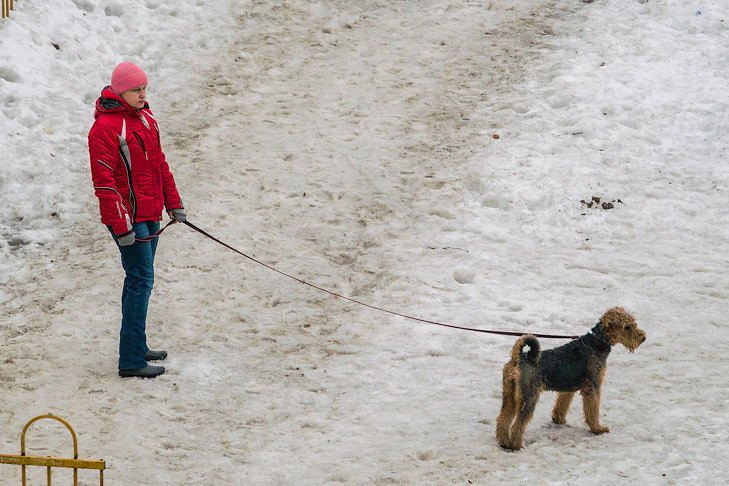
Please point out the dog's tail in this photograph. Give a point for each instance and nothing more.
(532, 355)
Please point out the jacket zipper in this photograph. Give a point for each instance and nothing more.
(141, 142)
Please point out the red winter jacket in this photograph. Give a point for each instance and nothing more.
(131, 177)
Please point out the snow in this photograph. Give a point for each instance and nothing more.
(352, 144)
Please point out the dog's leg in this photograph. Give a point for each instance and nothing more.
(561, 407)
(526, 406)
(591, 404)
(529, 388)
(508, 407)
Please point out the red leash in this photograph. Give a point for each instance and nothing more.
(157, 234)
(502, 333)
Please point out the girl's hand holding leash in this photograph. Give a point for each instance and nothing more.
(178, 214)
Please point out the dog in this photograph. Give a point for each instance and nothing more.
(579, 365)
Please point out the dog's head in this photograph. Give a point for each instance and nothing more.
(620, 327)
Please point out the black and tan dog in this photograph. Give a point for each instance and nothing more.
(579, 365)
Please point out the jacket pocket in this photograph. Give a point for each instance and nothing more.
(141, 144)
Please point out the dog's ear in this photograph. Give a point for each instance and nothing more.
(609, 318)
(612, 319)
(611, 324)
(617, 318)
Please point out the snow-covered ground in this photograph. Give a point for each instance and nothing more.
(351, 143)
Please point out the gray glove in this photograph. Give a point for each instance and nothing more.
(178, 214)
(126, 239)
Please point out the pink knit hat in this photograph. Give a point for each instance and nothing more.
(126, 76)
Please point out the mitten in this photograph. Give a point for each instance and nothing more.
(178, 214)
(126, 239)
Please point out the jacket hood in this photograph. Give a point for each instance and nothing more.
(111, 102)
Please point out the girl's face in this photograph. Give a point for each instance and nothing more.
(136, 97)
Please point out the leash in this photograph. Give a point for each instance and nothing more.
(157, 234)
(334, 294)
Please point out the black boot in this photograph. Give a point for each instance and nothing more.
(149, 371)
(155, 355)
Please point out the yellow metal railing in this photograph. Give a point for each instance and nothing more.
(50, 462)
(7, 7)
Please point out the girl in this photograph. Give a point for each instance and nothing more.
(134, 184)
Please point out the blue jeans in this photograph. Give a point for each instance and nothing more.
(138, 263)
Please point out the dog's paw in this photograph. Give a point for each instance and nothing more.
(559, 420)
(599, 430)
